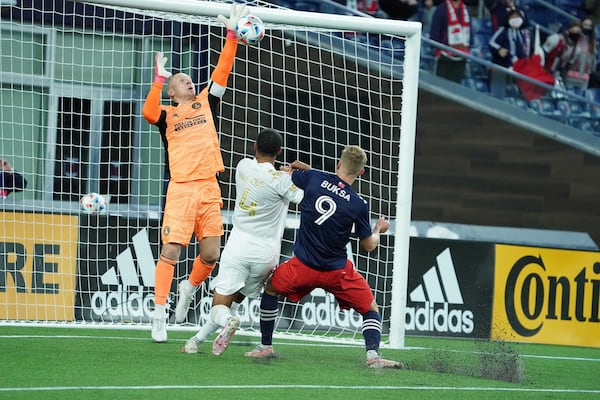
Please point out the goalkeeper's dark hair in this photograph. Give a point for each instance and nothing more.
(269, 142)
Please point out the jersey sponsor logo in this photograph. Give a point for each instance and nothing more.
(335, 189)
(132, 297)
(190, 122)
(442, 299)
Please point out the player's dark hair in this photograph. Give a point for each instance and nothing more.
(269, 142)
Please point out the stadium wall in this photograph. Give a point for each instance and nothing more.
(472, 168)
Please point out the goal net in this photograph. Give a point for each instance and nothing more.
(73, 82)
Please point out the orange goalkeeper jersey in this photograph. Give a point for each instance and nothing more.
(189, 131)
(191, 140)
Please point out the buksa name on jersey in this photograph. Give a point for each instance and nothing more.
(335, 189)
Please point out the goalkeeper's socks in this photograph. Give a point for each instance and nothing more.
(200, 271)
(269, 307)
(371, 330)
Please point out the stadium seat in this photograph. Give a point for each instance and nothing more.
(581, 123)
(481, 25)
(593, 94)
(476, 84)
(544, 107)
(480, 40)
(572, 7)
(512, 90)
(518, 101)
(571, 109)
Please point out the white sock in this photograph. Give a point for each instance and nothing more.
(160, 310)
(372, 354)
(220, 314)
(207, 329)
(188, 285)
(234, 308)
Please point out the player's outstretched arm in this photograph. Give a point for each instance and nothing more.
(370, 243)
(151, 110)
(225, 62)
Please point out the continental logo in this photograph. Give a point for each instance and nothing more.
(190, 122)
(442, 302)
(547, 295)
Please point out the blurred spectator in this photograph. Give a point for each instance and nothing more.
(570, 56)
(588, 29)
(592, 8)
(450, 25)
(508, 44)
(426, 15)
(10, 181)
(366, 6)
(399, 9)
(499, 10)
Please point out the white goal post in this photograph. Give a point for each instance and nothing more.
(72, 85)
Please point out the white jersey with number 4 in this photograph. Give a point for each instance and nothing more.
(253, 247)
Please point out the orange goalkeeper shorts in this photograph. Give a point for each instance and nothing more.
(192, 208)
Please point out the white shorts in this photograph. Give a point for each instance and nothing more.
(244, 269)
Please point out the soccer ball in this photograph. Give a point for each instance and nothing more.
(250, 30)
(92, 203)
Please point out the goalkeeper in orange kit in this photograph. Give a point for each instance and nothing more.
(193, 201)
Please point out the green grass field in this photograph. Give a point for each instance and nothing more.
(67, 363)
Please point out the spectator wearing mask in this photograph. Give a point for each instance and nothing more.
(568, 57)
(508, 44)
(499, 12)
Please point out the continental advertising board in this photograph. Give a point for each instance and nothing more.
(546, 296)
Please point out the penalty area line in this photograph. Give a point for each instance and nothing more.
(321, 387)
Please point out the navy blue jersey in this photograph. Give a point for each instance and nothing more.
(328, 212)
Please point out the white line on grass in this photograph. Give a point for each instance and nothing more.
(321, 387)
(288, 344)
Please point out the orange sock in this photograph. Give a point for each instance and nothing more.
(163, 276)
(200, 271)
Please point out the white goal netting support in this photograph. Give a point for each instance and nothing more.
(73, 81)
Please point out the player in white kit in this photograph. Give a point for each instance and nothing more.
(253, 247)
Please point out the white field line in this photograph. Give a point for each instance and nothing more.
(320, 387)
(290, 343)
(267, 387)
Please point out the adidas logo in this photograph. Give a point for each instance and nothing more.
(133, 297)
(439, 290)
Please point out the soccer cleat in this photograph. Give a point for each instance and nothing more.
(378, 362)
(159, 330)
(185, 299)
(224, 337)
(261, 351)
(191, 346)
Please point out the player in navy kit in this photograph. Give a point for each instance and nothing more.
(328, 212)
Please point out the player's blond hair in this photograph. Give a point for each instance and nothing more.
(353, 159)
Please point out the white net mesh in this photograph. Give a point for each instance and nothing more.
(73, 81)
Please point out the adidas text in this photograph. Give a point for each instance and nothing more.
(439, 319)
